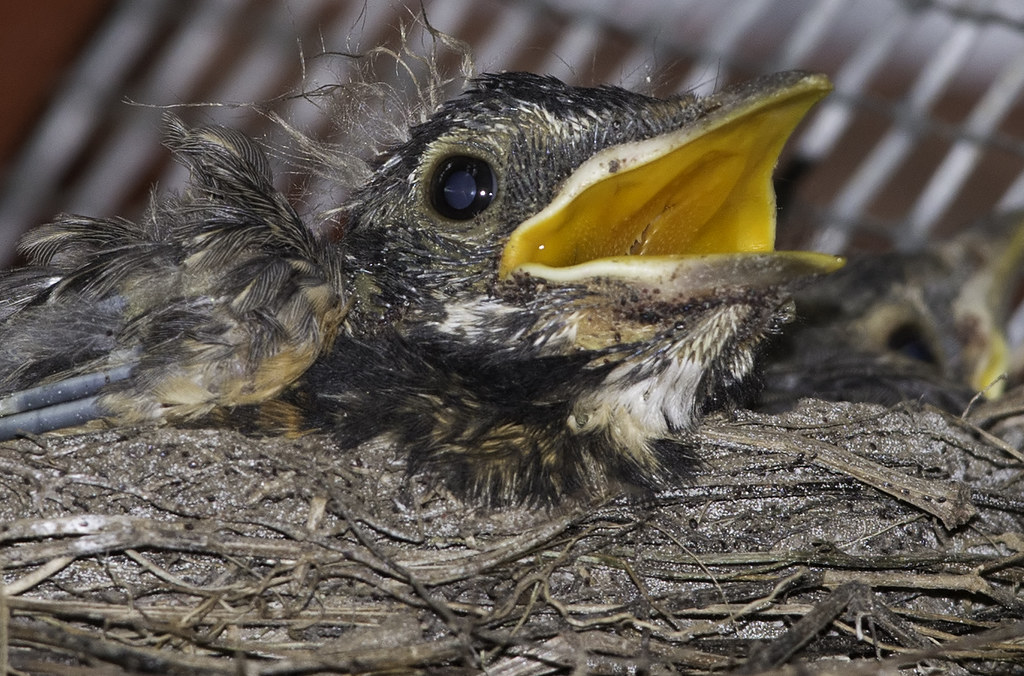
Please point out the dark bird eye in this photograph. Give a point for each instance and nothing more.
(910, 341)
(462, 187)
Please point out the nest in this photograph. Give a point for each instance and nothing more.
(834, 538)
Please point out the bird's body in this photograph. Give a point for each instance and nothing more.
(538, 293)
(219, 297)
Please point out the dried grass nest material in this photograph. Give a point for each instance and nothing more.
(836, 538)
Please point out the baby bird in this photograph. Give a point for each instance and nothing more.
(536, 295)
(926, 326)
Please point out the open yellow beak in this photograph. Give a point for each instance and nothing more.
(704, 188)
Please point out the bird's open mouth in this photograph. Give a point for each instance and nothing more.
(699, 195)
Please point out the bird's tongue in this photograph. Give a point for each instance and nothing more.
(704, 188)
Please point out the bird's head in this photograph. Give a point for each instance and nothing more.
(525, 174)
(618, 249)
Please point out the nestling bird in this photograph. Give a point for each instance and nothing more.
(926, 326)
(538, 293)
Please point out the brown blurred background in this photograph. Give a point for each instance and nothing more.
(924, 134)
(40, 41)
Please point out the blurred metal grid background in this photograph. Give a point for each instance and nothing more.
(924, 134)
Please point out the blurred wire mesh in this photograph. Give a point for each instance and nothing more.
(924, 134)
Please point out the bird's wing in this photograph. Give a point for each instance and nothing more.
(218, 297)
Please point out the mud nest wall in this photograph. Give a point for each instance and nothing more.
(846, 538)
